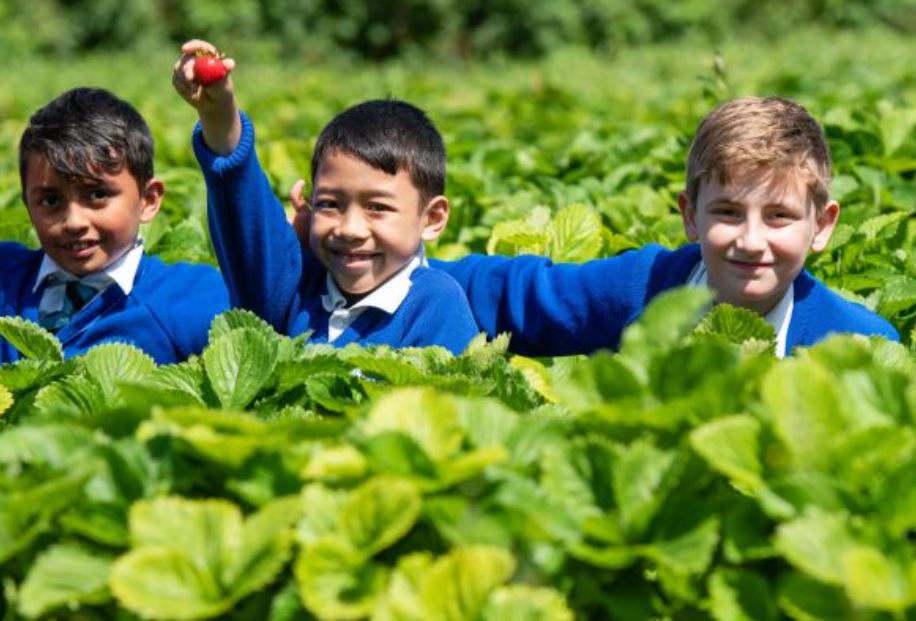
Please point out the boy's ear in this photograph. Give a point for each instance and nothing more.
(297, 199)
(826, 222)
(688, 215)
(151, 199)
(435, 217)
(300, 218)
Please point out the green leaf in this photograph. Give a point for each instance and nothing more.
(458, 585)
(239, 364)
(401, 600)
(517, 237)
(378, 513)
(109, 363)
(524, 603)
(565, 479)
(27, 513)
(807, 599)
(196, 559)
(51, 445)
(735, 325)
(30, 339)
(322, 512)
(335, 463)
(574, 235)
(898, 294)
(428, 417)
(334, 583)
(884, 225)
(816, 543)
(874, 580)
(165, 583)
(28, 373)
(237, 319)
(731, 447)
(805, 406)
(6, 399)
(64, 575)
(223, 437)
(638, 483)
(896, 125)
(665, 322)
(737, 595)
(691, 553)
(266, 547)
(73, 397)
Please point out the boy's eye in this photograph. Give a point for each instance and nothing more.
(324, 204)
(98, 195)
(378, 207)
(725, 212)
(49, 201)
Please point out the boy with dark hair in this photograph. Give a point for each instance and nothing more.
(86, 167)
(756, 201)
(378, 176)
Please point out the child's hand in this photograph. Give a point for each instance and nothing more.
(300, 219)
(215, 103)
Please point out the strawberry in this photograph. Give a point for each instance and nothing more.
(208, 69)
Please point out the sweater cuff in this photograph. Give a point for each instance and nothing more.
(220, 164)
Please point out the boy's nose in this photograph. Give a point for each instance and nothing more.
(75, 217)
(751, 238)
(352, 224)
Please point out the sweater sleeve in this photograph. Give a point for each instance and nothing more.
(259, 254)
(554, 309)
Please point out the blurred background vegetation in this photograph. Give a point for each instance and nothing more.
(385, 28)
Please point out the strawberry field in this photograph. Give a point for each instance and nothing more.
(689, 476)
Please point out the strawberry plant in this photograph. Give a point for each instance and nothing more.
(689, 476)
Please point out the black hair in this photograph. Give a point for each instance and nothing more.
(87, 131)
(390, 135)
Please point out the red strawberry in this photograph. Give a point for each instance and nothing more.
(208, 69)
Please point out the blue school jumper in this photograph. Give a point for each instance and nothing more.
(268, 272)
(167, 313)
(562, 309)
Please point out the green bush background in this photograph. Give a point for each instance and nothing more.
(391, 27)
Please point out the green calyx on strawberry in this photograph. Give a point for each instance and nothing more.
(208, 69)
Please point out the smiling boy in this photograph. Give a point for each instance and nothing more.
(86, 166)
(378, 176)
(756, 201)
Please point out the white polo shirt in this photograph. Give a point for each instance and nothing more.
(780, 316)
(387, 297)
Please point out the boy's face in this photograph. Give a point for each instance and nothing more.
(366, 224)
(87, 224)
(755, 233)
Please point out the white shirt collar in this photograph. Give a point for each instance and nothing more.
(779, 317)
(387, 297)
(122, 272)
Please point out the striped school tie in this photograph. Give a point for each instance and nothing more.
(76, 294)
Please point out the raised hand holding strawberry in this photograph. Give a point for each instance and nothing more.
(201, 76)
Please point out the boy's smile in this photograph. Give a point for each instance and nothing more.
(755, 233)
(87, 224)
(366, 224)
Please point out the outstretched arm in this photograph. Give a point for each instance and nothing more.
(258, 253)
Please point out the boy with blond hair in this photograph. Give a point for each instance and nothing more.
(378, 176)
(756, 203)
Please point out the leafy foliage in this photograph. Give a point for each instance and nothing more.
(399, 494)
(689, 476)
